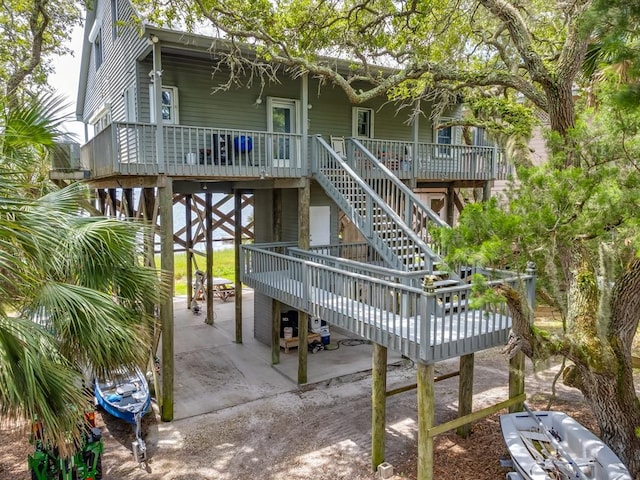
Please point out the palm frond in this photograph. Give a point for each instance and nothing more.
(35, 381)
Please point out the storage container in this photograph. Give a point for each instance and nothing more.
(314, 324)
(243, 144)
(325, 335)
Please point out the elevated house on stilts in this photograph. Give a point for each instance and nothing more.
(318, 170)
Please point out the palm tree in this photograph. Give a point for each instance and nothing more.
(75, 295)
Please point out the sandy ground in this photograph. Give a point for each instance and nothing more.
(322, 431)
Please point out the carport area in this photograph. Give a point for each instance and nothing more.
(212, 372)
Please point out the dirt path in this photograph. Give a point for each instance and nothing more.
(320, 432)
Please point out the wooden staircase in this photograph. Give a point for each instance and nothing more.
(387, 213)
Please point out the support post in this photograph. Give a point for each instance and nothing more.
(451, 193)
(304, 202)
(516, 380)
(415, 152)
(378, 404)
(486, 190)
(189, 240)
(149, 203)
(165, 200)
(127, 198)
(465, 392)
(304, 120)
(276, 309)
(426, 416)
(237, 237)
(209, 247)
(156, 78)
(276, 312)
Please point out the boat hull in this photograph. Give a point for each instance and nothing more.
(529, 446)
(125, 396)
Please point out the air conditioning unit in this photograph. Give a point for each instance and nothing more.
(66, 157)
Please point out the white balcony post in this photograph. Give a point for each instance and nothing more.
(304, 116)
(416, 139)
(157, 92)
(494, 162)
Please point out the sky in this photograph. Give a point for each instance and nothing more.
(65, 80)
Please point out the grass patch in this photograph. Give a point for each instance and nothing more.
(223, 266)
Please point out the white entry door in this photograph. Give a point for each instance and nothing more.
(282, 121)
(319, 225)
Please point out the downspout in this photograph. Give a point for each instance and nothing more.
(157, 92)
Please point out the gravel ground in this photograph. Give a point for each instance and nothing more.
(318, 432)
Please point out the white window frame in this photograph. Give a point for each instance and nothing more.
(355, 113)
(101, 118)
(115, 17)
(175, 107)
(445, 152)
(98, 49)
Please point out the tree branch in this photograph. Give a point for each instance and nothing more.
(38, 23)
(575, 45)
(625, 305)
(519, 33)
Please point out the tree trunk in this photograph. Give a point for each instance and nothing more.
(602, 367)
(561, 112)
(616, 408)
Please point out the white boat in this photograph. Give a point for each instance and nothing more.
(553, 446)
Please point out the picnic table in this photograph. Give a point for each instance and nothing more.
(223, 288)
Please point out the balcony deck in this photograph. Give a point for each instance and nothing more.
(131, 149)
(400, 317)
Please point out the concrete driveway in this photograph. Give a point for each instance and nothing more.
(212, 372)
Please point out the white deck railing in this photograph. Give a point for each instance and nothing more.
(438, 161)
(131, 149)
(400, 317)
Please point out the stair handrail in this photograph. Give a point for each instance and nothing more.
(411, 201)
(355, 177)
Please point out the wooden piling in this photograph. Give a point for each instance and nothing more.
(451, 193)
(276, 312)
(303, 349)
(208, 215)
(276, 308)
(426, 416)
(165, 201)
(465, 392)
(189, 248)
(378, 404)
(237, 240)
(516, 381)
(304, 202)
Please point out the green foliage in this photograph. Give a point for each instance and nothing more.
(503, 116)
(483, 236)
(440, 48)
(74, 297)
(481, 293)
(33, 32)
(223, 266)
(555, 210)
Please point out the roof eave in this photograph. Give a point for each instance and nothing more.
(84, 64)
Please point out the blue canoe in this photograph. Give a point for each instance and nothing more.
(125, 396)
